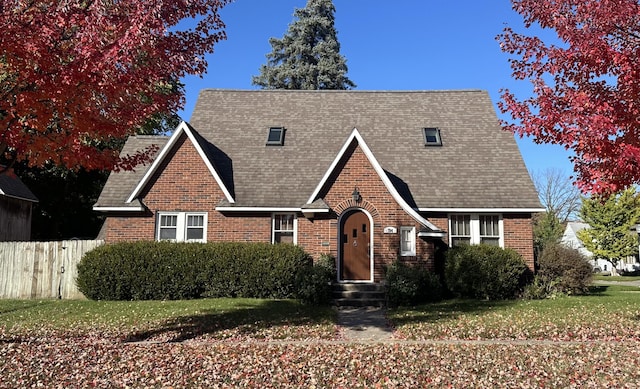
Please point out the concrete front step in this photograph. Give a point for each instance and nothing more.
(359, 294)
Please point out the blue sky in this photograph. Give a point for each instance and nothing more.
(400, 45)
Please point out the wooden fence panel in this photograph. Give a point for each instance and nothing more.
(42, 269)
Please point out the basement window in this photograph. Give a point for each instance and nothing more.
(431, 136)
(275, 136)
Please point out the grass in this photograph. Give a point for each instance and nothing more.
(169, 320)
(54, 343)
(608, 312)
(616, 278)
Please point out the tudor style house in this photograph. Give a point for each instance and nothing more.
(369, 177)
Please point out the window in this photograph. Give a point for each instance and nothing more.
(432, 137)
(284, 228)
(460, 229)
(182, 226)
(407, 241)
(275, 136)
(490, 229)
(475, 229)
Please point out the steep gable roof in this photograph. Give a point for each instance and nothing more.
(356, 137)
(12, 186)
(204, 150)
(119, 185)
(478, 165)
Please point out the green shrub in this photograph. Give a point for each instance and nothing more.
(485, 272)
(411, 285)
(562, 270)
(164, 270)
(315, 284)
(140, 271)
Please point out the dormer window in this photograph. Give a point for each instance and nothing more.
(432, 136)
(275, 136)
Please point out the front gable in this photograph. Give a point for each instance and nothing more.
(356, 165)
(183, 134)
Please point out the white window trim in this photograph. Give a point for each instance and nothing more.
(273, 226)
(412, 231)
(474, 226)
(181, 226)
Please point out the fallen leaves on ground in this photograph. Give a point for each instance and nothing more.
(91, 361)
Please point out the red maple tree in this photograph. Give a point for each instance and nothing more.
(77, 74)
(586, 87)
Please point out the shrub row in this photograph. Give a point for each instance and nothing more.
(166, 271)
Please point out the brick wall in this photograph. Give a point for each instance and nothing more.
(518, 235)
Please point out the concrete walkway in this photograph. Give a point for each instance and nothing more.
(364, 324)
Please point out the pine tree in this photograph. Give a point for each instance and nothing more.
(612, 220)
(308, 56)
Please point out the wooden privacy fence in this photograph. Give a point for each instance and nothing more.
(42, 269)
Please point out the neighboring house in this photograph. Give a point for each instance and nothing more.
(16, 204)
(570, 239)
(369, 177)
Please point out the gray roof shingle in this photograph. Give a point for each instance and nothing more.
(120, 185)
(478, 165)
(12, 186)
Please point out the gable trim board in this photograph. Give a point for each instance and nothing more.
(182, 128)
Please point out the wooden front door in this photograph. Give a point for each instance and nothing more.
(356, 242)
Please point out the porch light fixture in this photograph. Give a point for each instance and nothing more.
(356, 195)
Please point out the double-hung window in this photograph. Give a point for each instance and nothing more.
(407, 241)
(490, 229)
(182, 226)
(476, 229)
(283, 228)
(460, 230)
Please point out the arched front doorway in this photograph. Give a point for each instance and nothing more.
(355, 247)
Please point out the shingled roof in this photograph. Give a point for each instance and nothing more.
(120, 185)
(478, 165)
(12, 186)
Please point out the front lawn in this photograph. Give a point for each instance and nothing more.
(167, 320)
(608, 313)
(601, 277)
(587, 341)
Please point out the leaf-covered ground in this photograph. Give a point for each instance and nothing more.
(98, 362)
(591, 341)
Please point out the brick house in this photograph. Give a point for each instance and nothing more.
(369, 177)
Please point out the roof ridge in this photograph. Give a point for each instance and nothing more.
(343, 91)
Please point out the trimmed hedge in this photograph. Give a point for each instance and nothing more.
(166, 271)
(485, 272)
(411, 285)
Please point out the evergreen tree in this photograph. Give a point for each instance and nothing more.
(612, 220)
(547, 229)
(308, 56)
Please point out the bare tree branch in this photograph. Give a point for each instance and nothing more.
(557, 193)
